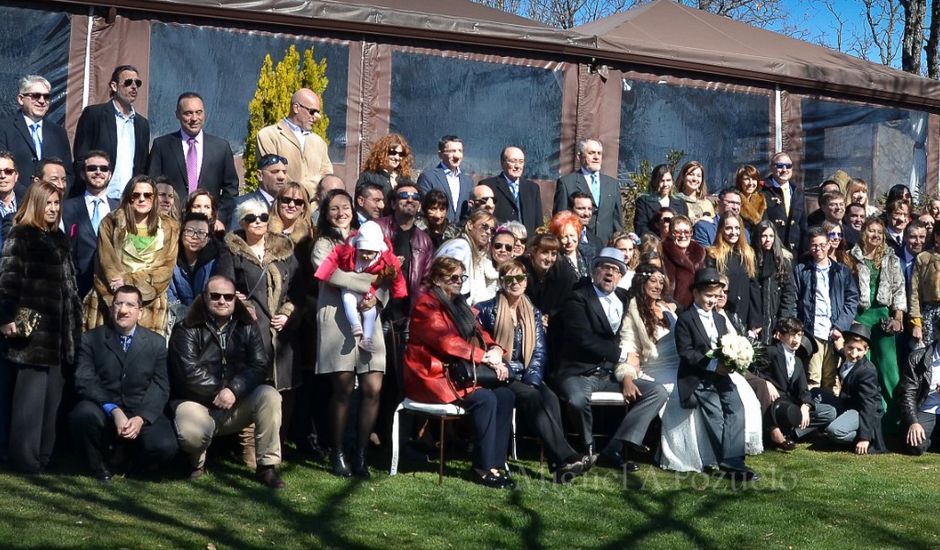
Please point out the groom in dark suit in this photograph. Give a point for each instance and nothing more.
(517, 199)
(605, 190)
(121, 377)
(590, 353)
(29, 135)
(704, 383)
(448, 177)
(193, 159)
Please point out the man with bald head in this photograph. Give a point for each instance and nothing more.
(604, 189)
(307, 154)
(517, 199)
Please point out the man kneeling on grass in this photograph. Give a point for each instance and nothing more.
(217, 364)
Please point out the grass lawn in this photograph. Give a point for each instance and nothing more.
(806, 499)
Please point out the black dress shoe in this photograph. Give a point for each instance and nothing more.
(615, 460)
(636, 447)
(786, 445)
(359, 467)
(494, 481)
(338, 464)
(103, 475)
(269, 477)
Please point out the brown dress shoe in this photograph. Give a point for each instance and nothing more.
(197, 473)
(270, 477)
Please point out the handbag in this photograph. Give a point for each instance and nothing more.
(26, 321)
(464, 374)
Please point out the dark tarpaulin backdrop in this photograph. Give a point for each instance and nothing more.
(33, 42)
(226, 72)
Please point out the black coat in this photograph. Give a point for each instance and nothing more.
(777, 294)
(217, 173)
(915, 383)
(83, 240)
(791, 228)
(97, 129)
(862, 391)
(589, 341)
(16, 138)
(692, 343)
(743, 291)
(647, 206)
(529, 209)
(136, 381)
(550, 291)
(535, 369)
(795, 388)
(199, 365)
(36, 272)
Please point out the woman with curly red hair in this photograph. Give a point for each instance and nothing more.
(388, 164)
(567, 227)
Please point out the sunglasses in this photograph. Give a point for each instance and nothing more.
(834, 235)
(146, 195)
(783, 165)
(510, 279)
(252, 218)
(8, 171)
(36, 96)
(667, 219)
(486, 228)
(268, 160)
(395, 153)
(487, 199)
(503, 246)
(224, 296)
(454, 279)
(286, 201)
(135, 81)
(408, 196)
(97, 168)
(311, 110)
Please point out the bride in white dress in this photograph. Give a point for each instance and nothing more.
(684, 443)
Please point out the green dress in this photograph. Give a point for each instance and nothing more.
(883, 352)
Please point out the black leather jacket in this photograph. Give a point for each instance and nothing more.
(915, 382)
(204, 359)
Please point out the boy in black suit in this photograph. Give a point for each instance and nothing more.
(793, 413)
(703, 381)
(859, 404)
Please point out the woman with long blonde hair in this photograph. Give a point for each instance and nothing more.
(694, 190)
(732, 256)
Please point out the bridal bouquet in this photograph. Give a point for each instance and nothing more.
(736, 352)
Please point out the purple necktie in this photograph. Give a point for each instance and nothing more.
(192, 167)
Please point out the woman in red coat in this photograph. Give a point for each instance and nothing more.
(445, 329)
(682, 257)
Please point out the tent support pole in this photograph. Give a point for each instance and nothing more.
(86, 78)
(778, 120)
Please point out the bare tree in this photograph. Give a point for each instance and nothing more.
(881, 18)
(933, 35)
(512, 6)
(912, 43)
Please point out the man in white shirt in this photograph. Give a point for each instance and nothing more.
(449, 177)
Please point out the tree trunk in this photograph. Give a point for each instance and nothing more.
(914, 13)
(933, 35)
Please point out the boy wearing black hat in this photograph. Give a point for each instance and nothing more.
(793, 413)
(859, 403)
(704, 383)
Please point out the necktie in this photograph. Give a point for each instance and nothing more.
(596, 189)
(126, 342)
(192, 167)
(514, 188)
(37, 140)
(96, 214)
(613, 317)
(844, 370)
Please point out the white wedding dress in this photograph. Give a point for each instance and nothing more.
(684, 444)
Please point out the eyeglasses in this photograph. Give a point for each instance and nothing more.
(835, 235)
(510, 279)
(502, 246)
(8, 171)
(36, 96)
(404, 196)
(224, 296)
(485, 227)
(455, 279)
(515, 162)
(195, 233)
(311, 110)
(146, 195)
(252, 218)
(681, 233)
(395, 153)
(135, 81)
(818, 246)
(783, 165)
(97, 168)
(286, 201)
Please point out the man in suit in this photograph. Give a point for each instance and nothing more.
(448, 177)
(370, 201)
(786, 204)
(897, 216)
(28, 136)
(589, 355)
(121, 378)
(603, 189)
(582, 204)
(518, 199)
(82, 215)
(193, 159)
(272, 175)
(704, 383)
(116, 128)
(307, 153)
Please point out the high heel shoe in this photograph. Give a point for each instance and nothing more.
(338, 464)
(359, 467)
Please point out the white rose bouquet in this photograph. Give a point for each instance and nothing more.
(735, 351)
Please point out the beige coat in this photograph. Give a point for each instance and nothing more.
(925, 281)
(306, 166)
(151, 282)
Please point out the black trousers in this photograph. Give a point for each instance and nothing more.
(37, 393)
(540, 409)
(93, 432)
(491, 413)
(928, 422)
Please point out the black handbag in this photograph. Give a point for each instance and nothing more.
(464, 374)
